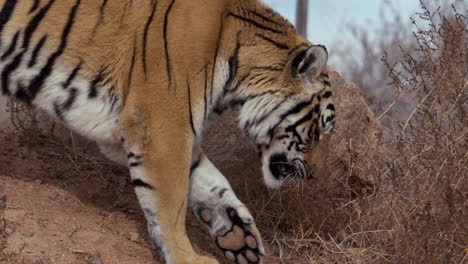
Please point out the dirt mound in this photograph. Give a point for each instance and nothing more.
(57, 210)
(66, 204)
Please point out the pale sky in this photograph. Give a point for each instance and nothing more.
(327, 19)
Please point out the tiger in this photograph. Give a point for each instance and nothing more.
(142, 77)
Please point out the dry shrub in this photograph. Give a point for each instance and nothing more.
(33, 125)
(357, 54)
(427, 178)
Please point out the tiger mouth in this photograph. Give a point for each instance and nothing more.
(281, 168)
(302, 169)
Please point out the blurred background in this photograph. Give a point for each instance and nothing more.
(358, 33)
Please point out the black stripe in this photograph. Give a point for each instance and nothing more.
(277, 44)
(34, 6)
(330, 118)
(72, 75)
(145, 36)
(327, 94)
(58, 111)
(72, 94)
(221, 193)
(266, 18)
(327, 83)
(34, 24)
(112, 98)
(269, 82)
(255, 23)
(265, 116)
(93, 89)
(331, 107)
(8, 70)
(297, 48)
(102, 8)
(253, 77)
(195, 165)
(133, 155)
(265, 78)
(100, 21)
(36, 51)
(308, 60)
(5, 14)
(325, 75)
(204, 95)
(238, 84)
(166, 45)
(60, 108)
(141, 184)
(190, 109)
(132, 64)
(135, 164)
(293, 127)
(244, 100)
(233, 64)
(317, 109)
(36, 84)
(264, 81)
(12, 47)
(297, 61)
(260, 80)
(267, 68)
(215, 59)
(296, 109)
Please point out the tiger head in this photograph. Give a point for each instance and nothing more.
(290, 123)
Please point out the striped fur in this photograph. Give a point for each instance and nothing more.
(141, 77)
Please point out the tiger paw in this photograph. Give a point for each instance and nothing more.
(235, 233)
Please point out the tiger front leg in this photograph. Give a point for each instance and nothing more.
(159, 170)
(229, 221)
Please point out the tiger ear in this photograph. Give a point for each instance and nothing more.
(308, 64)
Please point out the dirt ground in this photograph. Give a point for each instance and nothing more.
(72, 206)
(90, 214)
(61, 208)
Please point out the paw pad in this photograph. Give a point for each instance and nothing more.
(251, 242)
(241, 244)
(233, 239)
(233, 229)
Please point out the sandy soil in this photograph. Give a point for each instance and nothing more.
(61, 208)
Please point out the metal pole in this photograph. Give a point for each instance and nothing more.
(301, 17)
